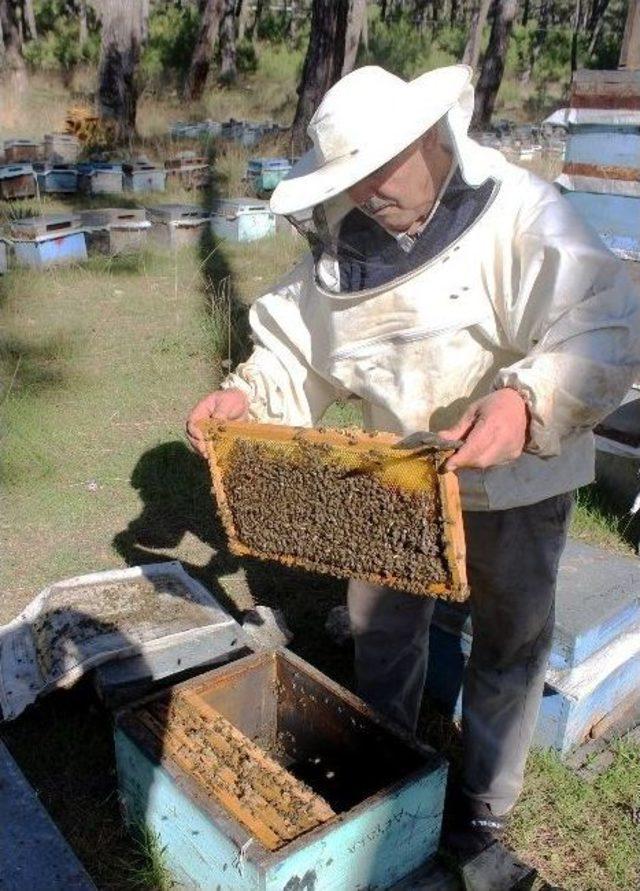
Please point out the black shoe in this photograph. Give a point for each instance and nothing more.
(469, 828)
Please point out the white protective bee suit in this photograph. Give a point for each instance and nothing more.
(528, 297)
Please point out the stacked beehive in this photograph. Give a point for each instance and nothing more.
(601, 173)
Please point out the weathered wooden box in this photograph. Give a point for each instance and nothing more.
(143, 177)
(285, 742)
(17, 181)
(115, 230)
(100, 178)
(61, 148)
(189, 171)
(264, 174)
(21, 150)
(594, 666)
(56, 178)
(49, 240)
(241, 219)
(178, 225)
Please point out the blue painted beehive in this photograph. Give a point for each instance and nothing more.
(49, 240)
(100, 177)
(594, 667)
(601, 173)
(57, 178)
(266, 775)
(241, 219)
(17, 181)
(141, 176)
(264, 174)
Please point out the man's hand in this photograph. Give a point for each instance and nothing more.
(494, 430)
(225, 405)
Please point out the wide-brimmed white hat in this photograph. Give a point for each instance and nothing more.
(365, 120)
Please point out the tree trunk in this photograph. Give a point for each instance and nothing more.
(123, 31)
(526, 10)
(454, 12)
(323, 62)
(630, 50)
(29, 19)
(574, 35)
(355, 27)
(82, 17)
(595, 24)
(228, 69)
(494, 60)
(12, 60)
(539, 37)
(242, 15)
(256, 19)
(420, 13)
(472, 50)
(383, 10)
(201, 61)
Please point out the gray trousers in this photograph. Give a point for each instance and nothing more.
(512, 564)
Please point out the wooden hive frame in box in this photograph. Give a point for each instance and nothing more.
(359, 447)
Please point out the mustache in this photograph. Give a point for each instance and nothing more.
(374, 204)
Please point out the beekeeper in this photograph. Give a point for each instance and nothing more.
(454, 292)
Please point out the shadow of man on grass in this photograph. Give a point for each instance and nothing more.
(174, 486)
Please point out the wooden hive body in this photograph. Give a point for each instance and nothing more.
(406, 474)
(301, 786)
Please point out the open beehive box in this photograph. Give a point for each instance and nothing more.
(342, 502)
(265, 774)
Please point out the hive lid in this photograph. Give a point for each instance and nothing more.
(345, 503)
(166, 213)
(236, 206)
(112, 216)
(269, 164)
(15, 143)
(186, 160)
(54, 167)
(139, 167)
(9, 171)
(68, 138)
(48, 224)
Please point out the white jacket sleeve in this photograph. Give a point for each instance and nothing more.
(278, 377)
(569, 306)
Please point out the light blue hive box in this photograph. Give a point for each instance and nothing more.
(594, 667)
(49, 240)
(60, 179)
(264, 174)
(242, 219)
(387, 792)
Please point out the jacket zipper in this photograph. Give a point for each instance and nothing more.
(401, 337)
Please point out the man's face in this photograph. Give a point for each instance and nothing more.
(404, 189)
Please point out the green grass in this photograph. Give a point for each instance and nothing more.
(596, 521)
(581, 835)
(148, 868)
